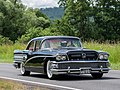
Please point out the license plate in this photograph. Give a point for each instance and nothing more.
(85, 71)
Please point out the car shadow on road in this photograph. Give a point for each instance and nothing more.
(81, 77)
(72, 77)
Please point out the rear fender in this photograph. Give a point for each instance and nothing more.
(20, 56)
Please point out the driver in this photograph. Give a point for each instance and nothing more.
(64, 44)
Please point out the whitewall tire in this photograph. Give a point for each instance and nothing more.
(23, 71)
(48, 69)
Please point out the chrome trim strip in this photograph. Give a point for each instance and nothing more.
(17, 61)
(77, 72)
(93, 70)
(37, 57)
(82, 62)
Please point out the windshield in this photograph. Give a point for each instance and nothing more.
(61, 43)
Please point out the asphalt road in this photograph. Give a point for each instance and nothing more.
(110, 81)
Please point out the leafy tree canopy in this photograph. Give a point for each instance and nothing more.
(16, 19)
(95, 19)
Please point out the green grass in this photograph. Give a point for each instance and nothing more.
(112, 49)
(9, 85)
(115, 66)
(13, 85)
(6, 52)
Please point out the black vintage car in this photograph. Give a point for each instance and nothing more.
(55, 55)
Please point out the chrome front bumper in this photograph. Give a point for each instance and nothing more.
(78, 71)
(69, 69)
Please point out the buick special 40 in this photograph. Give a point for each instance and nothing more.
(56, 55)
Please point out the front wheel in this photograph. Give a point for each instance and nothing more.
(97, 75)
(23, 71)
(48, 69)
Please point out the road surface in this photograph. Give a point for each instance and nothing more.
(110, 81)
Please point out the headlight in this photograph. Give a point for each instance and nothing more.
(103, 56)
(106, 56)
(60, 57)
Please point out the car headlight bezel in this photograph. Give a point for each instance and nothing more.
(103, 56)
(100, 56)
(61, 57)
(106, 56)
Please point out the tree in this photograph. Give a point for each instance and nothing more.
(107, 18)
(11, 24)
(77, 16)
(16, 19)
(93, 19)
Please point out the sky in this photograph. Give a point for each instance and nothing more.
(40, 3)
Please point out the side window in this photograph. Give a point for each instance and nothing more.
(37, 45)
(45, 44)
(31, 46)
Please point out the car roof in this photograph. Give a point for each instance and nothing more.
(49, 37)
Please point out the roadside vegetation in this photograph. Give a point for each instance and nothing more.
(88, 19)
(6, 51)
(11, 85)
(112, 49)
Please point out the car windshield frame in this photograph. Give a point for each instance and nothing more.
(52, 43)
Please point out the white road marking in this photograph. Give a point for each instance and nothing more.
(38, 83)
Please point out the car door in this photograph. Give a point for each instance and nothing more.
(35, 60)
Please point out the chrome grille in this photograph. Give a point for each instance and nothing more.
(78, 55)
(80, 65)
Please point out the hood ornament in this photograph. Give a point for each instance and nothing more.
(83, 55)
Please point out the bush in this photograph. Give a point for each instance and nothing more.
(32, 33)
(38, 32)
(5, 40)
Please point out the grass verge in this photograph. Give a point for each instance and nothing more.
(112, 49)
(6, 52)
(13, 85)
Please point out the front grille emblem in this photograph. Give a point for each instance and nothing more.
(83, 55)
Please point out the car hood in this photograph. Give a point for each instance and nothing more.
(67, 50)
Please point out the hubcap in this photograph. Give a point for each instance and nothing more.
(22, 69)
(49, 67)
